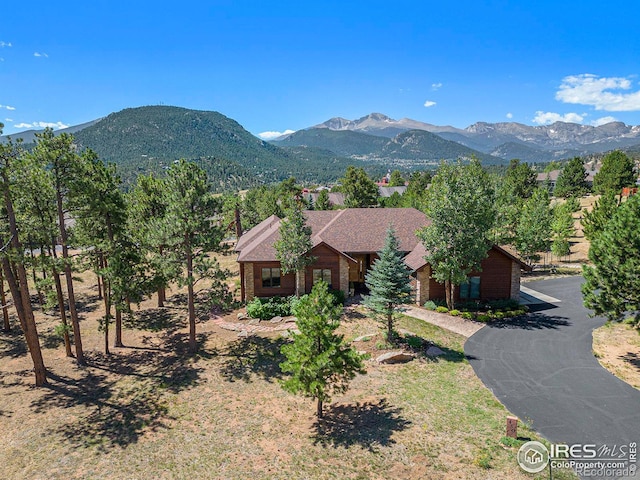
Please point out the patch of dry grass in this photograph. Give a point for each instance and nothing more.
(617, 348)
(149, 410)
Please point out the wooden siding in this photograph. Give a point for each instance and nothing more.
(495, 279)
(287, 282)
(324, 258)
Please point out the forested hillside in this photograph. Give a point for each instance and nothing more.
(150, 139)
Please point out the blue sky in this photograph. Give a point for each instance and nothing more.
(277, 66)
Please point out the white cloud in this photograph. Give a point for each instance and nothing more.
(37, 54)
(429, 103)
(509, 115)
(545, 118)
(272, 135)
(54, 125)
(436, 86)
(603, 121)
(8, 119)
(5, 44)
(603, 93)
(8, 107)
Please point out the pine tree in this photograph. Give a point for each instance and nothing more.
(359, 190)
(612, 286)
(388, 282)
(318, 360)
(323, 201)
(572, 179)
(562, 229)
(617, 171)
(191, 231)
(594, 222)
(293, 246)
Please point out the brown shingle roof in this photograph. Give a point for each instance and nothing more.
(352, 230)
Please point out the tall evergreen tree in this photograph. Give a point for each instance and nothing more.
(59, 154)
(562, 229)
(460, 206)
(293, 246)
(12, 258)
(318, 360)
(612, 286)
(191, 231)
(323, 201)
(594, 221)
(572, 180)
(617, 171)
(388, 282)
(359, 190)
(396, 179)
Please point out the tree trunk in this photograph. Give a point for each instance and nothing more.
(34, 275)
(63, 314)
(299, 276)
(118, 328)
(448, 292)
(99, 280)
(190, 298)
(237, 222)
(162, 296)
(319, 409)
(162, 293)
(5, 308)
(73, 313)
(389, 323)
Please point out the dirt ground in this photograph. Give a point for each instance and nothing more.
(150, 410)
(617, 348)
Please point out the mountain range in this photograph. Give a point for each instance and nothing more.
(148, 139)
(505, 140)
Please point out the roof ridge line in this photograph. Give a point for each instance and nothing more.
(317, 235)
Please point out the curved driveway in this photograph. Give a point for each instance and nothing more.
(543, 370)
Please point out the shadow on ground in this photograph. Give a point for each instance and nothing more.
(251, 356)
(12, 343)
(154, 320)
(118, 398)
(532, 321)
(368, 425)
(631, 358)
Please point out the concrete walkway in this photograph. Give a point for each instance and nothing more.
(458, 325)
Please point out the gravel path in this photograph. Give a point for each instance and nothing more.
(457, 325)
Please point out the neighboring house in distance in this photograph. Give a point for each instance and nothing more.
(550, 178)
(388, 191)
(345, 245)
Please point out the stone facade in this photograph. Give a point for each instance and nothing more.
(344, 275)
(515, 281)
(422, 284)
(249, 291)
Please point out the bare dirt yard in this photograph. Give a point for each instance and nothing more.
(150, 410)
(617, 348)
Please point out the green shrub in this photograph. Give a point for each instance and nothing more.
(338, 296)
(454, 312)
(483, 317)
(430, 305)
(442, 309)
(467, 315)
(266, 308)
(499, 315)
(414, 341)
(506, 304)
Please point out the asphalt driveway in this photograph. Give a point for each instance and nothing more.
(543, 370)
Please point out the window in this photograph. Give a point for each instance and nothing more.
(270, 277)
(471, 288)
(322, 274)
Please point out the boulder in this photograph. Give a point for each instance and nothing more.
(395, 357)
(243, 333)
(277, 319)
(434, 351)
(242, 316)
(254, 321)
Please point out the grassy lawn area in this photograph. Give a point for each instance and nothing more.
(150, 411)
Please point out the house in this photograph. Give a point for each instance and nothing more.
(550, 178)
(345, 245)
